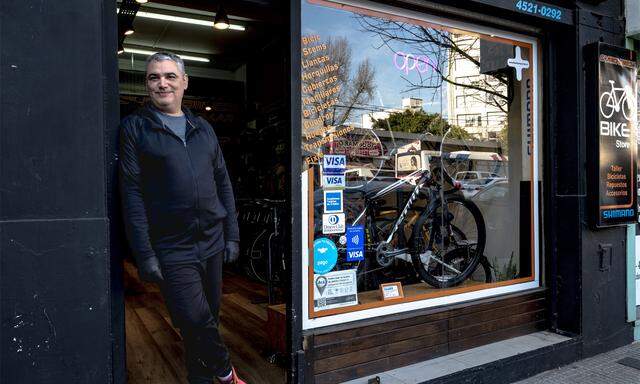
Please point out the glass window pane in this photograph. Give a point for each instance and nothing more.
(393, 111)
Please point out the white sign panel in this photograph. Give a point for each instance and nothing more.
(333, 223)
(637, 270)
(335, 289)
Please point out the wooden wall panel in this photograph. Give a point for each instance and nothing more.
(353, 351)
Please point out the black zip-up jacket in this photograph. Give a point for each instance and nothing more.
(177, 197)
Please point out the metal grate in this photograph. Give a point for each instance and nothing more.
(630, 362)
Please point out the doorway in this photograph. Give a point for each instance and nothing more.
(237, 82)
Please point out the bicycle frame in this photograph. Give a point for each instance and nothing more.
(433, 198)
(614, 93)
(614, 100)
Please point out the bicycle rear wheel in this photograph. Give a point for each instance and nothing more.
(447, 244)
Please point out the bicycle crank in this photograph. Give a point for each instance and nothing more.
(385, 253)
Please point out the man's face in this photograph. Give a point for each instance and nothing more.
(166, 85)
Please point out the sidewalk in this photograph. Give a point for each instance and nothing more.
(603, 368)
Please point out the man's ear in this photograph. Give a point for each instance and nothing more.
(186, 81)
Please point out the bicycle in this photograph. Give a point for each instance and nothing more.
(613, 104)
(447, 239)
(263, 252)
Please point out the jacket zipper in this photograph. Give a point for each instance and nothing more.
(195, 179)
(197, 194)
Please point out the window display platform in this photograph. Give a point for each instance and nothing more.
(154, 347)
(420, 290)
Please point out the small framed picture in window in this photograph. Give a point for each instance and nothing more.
(391, 291)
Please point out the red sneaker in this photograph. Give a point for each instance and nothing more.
(234, 378)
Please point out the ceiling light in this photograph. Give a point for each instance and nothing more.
(141, 1)
(221, 20)
(149, 53)
(120, 48)
(129, 32)
(185, 20)
(207, 109)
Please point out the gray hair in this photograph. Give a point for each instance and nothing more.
(162, 56)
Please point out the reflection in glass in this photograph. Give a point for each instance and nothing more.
(424, 115)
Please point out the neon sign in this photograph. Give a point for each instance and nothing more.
(407, 62)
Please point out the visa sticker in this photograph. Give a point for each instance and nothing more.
(333, 181)
(334, 164)
(355, 243)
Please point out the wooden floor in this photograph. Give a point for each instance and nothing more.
(155, 353)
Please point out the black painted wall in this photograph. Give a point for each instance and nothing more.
(586, 302)
(604, 325)
(56, 108)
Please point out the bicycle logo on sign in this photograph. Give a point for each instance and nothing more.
(407, 62)
(618, 98)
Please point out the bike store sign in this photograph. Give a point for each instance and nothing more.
(617, 142)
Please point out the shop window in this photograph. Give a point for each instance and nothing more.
(405, 208)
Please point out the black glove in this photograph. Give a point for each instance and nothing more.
(149, 270)
(231, 252)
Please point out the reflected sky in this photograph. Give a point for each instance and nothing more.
(390, 68)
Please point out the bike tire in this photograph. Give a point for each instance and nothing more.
(627, 107)
(482, 272)
(474, 253)
(487, 269)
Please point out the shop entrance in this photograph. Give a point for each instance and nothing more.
(237, 82)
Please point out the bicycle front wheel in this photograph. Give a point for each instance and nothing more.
(607, 104)
(447, 243)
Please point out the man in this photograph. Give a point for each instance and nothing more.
(180, 213)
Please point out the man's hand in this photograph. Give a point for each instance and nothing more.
(231, 252)
(149, 270)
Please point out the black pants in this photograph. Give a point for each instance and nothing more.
(192, 293)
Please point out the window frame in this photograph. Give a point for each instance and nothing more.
(313, 320)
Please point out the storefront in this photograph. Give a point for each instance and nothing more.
(439, 164)
(429, 99)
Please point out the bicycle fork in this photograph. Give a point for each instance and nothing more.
(443, 224)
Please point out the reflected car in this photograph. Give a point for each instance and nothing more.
(475, 175)
(499, 213)
(471, 187)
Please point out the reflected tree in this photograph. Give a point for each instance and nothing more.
(438, 50)
(420, 122)
(355, 87)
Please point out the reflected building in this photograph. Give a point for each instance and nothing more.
(413, 104)
(470, 105)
